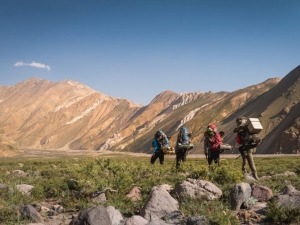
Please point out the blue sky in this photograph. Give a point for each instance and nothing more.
(136, 49)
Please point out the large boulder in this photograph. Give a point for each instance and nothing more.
(239, 195)
(197, 189)
(290, 198)
(261, 193)
(159, 204)
(96, 215)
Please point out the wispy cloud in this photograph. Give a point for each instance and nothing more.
(33, 64)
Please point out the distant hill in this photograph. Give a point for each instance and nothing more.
(68, 115)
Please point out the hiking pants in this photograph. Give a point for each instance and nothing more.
(213, 156)
(247, 156)
(158, 154)
(180, 156)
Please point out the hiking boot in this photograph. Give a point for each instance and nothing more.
(255, 176)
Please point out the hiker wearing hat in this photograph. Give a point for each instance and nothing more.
(212, 142)
(247, 145)
(159, 142)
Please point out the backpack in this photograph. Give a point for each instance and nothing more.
(183, 136)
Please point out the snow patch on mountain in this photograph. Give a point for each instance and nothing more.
(190, 116)
(186, 98)
(68, 104)
(79, 85)
(85, 112)
(110, 142)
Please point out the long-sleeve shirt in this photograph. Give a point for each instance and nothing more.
(214, 142)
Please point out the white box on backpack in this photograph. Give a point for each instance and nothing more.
(254, 126)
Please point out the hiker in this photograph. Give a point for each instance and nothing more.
(183, 145)
(212, 142)
(159, 142)
(247, 144)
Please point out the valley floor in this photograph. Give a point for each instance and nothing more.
(42, 153)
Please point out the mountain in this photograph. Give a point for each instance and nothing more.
(42, 114)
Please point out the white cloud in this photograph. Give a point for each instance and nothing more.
(33, 64)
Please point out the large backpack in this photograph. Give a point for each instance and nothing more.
(183, 136)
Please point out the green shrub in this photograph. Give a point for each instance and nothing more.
(282, 215)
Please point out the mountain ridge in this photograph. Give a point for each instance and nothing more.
(42, 114)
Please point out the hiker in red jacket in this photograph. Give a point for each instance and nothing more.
(212, 142)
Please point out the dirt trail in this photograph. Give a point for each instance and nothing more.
(42, 153)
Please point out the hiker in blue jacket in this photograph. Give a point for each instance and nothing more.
(159, 142)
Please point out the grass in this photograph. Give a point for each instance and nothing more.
(68, 180)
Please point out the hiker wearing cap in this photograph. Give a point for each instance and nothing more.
(247, 144)
(212, 142)
(159, 142)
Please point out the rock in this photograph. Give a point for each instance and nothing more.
(157, 222)
(135, 194)
(136, 220)
(286, 174)
(100, 199)
(259, 208)
(115, 216)
(159, 204)
(197, 220)
(291, 190)
(57, 208)
(249, 179)
(175, 217)
(19, 173)
(198, 189)
(96, 215)
(2, 186)
(261, 193)
(290, 201)
(239, 195)
(25, 188)
(29, 212)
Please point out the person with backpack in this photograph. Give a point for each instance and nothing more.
(159, 142)
(247, 144)
(212, 143)
(183, 145)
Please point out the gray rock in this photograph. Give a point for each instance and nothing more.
(2, 186)
(136, 220)
(198, 189)
(25, 188)
(159, 204)
(239, 195)
(96, 215)
(157, 222)
(19, 173)
(249, 179)
(198, 220)
(291, 190)
(100, 199)
(175, 217)
(290, 201)
(259, 208)
(29, 212)
(115, 215)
